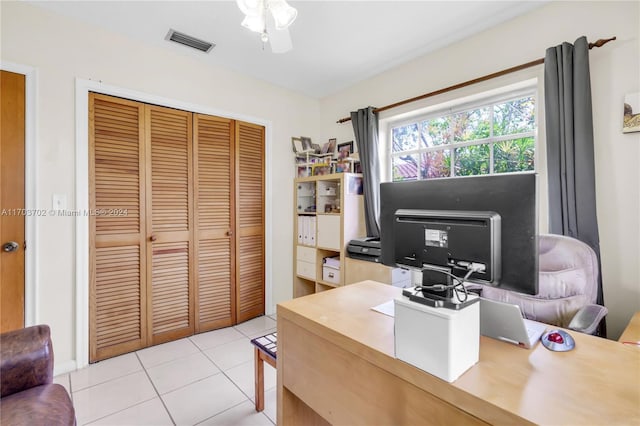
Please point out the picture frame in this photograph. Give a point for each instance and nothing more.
(306, 143)
(296, 145)
(329, 147)
(345, 149)
(303, 171)
(343, 167)
(354, 185)
(321, 169)
(631, 113)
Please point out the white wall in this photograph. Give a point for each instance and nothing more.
(62, 50)
(615, 70)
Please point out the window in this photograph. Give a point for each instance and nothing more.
(496, 137)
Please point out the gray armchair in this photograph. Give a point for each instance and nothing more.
(567, 284)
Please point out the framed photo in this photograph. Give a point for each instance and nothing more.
(321, 169)
(354, 185)
(631, 117)
(306, 143)
(303, 171)
(343, 167)
(296, 145)
(345, 149)
(329, 147)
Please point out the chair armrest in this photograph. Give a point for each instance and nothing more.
(586, 320)
(26, 359)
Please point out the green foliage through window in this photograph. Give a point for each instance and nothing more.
(496, 138)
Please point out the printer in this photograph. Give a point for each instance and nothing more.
(365, 248)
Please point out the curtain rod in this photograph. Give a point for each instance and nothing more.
(599, 43)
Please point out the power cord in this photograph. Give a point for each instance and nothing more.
(471, 268)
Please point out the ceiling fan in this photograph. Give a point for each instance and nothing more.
(270, 18)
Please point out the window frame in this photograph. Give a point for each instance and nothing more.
(460, 105)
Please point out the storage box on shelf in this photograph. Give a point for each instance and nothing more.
(329, 213)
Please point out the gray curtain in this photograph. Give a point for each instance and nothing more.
(365, 128)
(570, 160)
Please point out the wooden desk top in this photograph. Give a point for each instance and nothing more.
(596, 383)
(632, 332)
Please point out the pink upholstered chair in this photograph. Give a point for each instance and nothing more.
(567, 284)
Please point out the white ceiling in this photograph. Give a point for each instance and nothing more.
(335, 43)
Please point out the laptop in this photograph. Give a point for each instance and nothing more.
(504, 321)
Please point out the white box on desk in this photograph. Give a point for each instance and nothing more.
(443, 342)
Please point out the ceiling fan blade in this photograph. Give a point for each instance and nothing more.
(280, 40)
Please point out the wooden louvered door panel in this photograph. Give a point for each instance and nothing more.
(215, 249)
(170, 223)
(250, 221)
(117, 224)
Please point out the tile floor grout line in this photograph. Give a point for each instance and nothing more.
(116, 412)
(156, 390)
(241, 336)
(228, 409)
(236, 385)
(70, 388)
(215, 346)
(106, 381)
(164, 362)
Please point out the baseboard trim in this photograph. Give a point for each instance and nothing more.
(64, 367)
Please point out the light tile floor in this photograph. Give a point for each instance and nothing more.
(206, 379)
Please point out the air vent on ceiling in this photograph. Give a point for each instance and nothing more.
(187, 40)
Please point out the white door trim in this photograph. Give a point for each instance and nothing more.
(83, 87)
(31, 310)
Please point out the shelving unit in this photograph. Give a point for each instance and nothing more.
(305, 161)
(329, 212)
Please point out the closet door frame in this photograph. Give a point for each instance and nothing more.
(82, 89)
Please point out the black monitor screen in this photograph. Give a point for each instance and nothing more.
(511, 197)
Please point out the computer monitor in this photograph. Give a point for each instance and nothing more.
(450, 223)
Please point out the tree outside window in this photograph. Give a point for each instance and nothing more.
(498, 137)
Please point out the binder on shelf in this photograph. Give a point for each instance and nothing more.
(312, 230)
(305, 230)
(300, 229)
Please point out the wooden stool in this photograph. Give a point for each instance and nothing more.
(266, 348)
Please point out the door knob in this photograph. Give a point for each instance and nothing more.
(11, 246)
(153, 238)
(229, 233)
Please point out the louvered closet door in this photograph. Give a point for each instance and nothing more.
(117, 249)
(214, 183)
(250, 221)
(170, 223)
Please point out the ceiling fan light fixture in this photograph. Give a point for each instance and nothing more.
(254, 23)
(251, 7)
(283, 13)
(271, 19)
